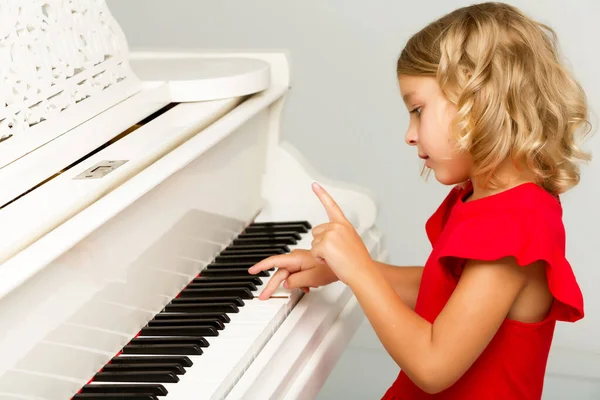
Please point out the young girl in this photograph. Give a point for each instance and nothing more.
(494, 113)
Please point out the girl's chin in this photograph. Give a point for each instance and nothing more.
(445, 177)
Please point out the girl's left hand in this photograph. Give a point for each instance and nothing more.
(338, 243)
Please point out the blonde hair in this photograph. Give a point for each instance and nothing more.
(514, 97)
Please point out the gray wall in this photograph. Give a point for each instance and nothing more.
(345, 95)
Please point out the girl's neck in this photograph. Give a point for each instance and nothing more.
(509, 175)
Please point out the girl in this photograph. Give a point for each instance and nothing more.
(494, 113)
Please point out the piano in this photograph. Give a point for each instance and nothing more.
(136, 190)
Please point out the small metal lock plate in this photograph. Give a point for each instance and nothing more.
(100, 169)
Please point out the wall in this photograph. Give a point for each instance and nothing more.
(346, 116)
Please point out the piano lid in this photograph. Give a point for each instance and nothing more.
(61, 63)
(65, 65)
(203, 78)
(65, 62)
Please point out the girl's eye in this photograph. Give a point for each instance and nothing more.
(416, 111)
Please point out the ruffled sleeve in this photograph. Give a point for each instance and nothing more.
(436, 222)
(526, 235)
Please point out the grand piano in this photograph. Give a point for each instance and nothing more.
(136, 190)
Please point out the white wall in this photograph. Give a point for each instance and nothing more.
(345, 95)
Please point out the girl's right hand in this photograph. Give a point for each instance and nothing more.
(299, 269)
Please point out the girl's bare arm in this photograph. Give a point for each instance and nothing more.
(404, 280)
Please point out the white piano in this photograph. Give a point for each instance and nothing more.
(135, 191)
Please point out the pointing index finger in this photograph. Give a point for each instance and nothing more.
(334, 212)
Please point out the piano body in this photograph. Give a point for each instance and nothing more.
(136, 188)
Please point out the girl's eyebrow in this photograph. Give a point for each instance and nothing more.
(407, 96)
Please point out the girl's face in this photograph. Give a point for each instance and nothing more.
(429, 130)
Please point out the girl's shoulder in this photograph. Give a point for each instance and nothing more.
(524, 222)
(527, 203)
(524, 198)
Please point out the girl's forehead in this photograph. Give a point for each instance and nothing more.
(417, 85)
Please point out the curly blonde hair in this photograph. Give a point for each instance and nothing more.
(514, 97)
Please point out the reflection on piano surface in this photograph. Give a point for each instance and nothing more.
(136, 191)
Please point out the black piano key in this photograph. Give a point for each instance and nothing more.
(221, 285)
(194, 330)
(126, 388)
(267, 234)
(170, 367)
(266, 250)
(194, 308)
(114, 396)
(187, 340)
(228, 265)
(159, 349)
(203, 300)
(241, 293)
(306, 224)
(237, 272)
(226, 279)
(299, 228)
(214, 322)
(269, 246)
(166, 316)
(181, 360)
(136, 376)
(266, 240)
(242, 258)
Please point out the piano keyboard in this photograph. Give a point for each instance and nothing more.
(203, 340)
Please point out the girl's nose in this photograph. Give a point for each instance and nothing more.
(411, 137)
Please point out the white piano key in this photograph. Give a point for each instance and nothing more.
(169, 263)
(127, 295)
(25, 383)
(87, 338)
(216, 370)
(63, 361)
(231, 352)
(13, 396)
(208, 225)
(111, 317)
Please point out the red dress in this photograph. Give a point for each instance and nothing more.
(524, 222)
